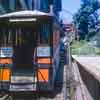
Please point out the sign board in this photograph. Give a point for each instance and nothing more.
(6, 52)
(43, 51)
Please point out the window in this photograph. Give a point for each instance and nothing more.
(5, 37)
(44, 33)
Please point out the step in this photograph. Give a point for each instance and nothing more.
(23, 83)
(23, 79)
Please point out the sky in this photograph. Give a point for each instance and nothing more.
(71, 6)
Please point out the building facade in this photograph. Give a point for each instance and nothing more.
(17, 5)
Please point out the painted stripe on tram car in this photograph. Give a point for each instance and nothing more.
(43, 75)
(5, 74)
(6, 61)
(45, 61)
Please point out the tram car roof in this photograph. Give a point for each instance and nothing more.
(26, 14)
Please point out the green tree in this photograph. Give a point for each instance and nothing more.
(86, 17)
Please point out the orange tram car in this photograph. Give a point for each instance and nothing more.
(29, 51)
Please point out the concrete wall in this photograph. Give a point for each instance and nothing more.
(91, 83)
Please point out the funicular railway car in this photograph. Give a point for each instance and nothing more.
(29, 51)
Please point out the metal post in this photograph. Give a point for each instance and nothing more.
(66, 87)
(68, 70)
(68, 67)
(51, 9)
(66, 42)
(69, 54)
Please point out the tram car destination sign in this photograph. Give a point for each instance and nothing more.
(43, 51)
(6, 52)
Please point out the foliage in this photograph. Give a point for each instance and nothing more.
(78, 44)
(83, 48)
(86, 17)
